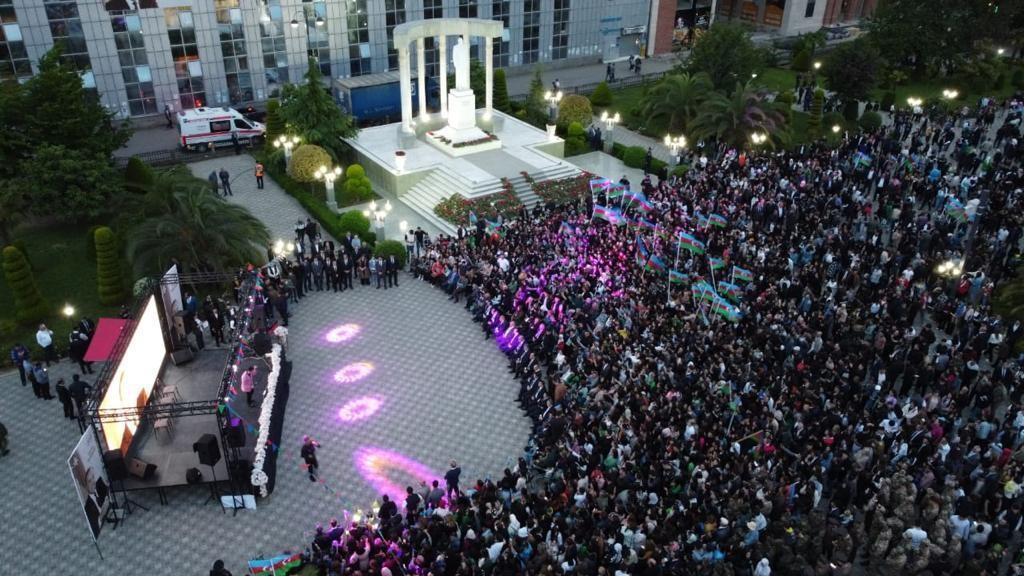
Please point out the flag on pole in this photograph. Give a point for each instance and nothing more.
(616, 191)
(645, 223)
(278, 565)
(742, 274)
(472, 218)
(724, 309)
(599, 183)
(703, 291)
(611, 215)
(566, 228)
(730, 290)
(643, 205)
(677, 277)
(633, 196)
(641, 246)
(956, 210)
(718, 221)
(861, 160)
(688, 242)
(655, 264)
(716, 263)
(494, 227)
(702, 220)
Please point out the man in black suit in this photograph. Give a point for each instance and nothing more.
(391, 267)
(79, 391)
(345, 271)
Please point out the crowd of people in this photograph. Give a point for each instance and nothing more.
(858, 413)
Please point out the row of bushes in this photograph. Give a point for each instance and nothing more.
(633, 156)
(336, 225)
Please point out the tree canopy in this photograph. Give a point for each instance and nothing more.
(309, 112)
(727, 55)
(673, 102)
(851, 69)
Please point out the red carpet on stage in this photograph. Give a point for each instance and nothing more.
(103, 340)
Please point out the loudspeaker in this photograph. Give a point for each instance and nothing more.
(116, 468)
(209, 451)
(140, 469)
(236, 433)
(193, 476)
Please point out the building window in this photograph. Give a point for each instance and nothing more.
(14, 62)
(467, 8)
(66, 30)
(809, 11)
(433, 9)
(232, 47)
(531, 31)
(275, 55)
(500, 11)
(131, 53)
(560, 34)
(317, 45)
(358, 38)
(394, 14)
(188, 70)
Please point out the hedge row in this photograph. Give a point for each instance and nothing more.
(633, 156)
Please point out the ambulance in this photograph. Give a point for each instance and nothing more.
(201, 128)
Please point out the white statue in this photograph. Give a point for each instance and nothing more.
(460, 61)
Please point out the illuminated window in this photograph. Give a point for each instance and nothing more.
(232, 47)
(188, 70)
(131, 53)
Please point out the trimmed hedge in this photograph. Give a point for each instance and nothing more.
(353, 221)
(633, 156)
(870, 121)
(357, 186)
(29, 306)
(394, 248)
(306, 160)
(109, 280)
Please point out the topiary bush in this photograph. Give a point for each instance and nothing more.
(814, 118)
(90, 242)
(387, 248)
(785, 97)
(801, 60)
(110, 282)
(275, 123)
(357, 185)
(29, 305)
(501, 101)
(353, 221)
(870, 121)
(576, 141)
(602, 95)
(138, 176)
(306, 160)
(634, 157)
(575, 108)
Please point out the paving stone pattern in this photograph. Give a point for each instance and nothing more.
(445, 392)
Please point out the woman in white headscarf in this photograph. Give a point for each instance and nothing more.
(763, 569)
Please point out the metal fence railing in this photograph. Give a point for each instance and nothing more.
(174, 156)
(624, 82)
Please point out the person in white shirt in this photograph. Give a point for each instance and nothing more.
(44, 337)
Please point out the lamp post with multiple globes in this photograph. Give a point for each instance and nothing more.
(609, 122)
(328, 176)
(287, 143)
(378, 214)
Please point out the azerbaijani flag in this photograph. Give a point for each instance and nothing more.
(644, 205)
(688, 242)
(703, 291)
(599, 183)
(278, 565)
(655, 264)
(716, 263)
(641, 246)
(493, 227)
(634, 196)
(718, 220)
(861, 160)
(742, 274)
(611, 215)
(702, 220)
(729, 289)
(566, 228)
(955, 209)
(677, 277)
(645, 223)
(723, 308)
(616, 191)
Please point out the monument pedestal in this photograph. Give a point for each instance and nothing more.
(462, 136)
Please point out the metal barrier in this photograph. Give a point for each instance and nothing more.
(174, 156)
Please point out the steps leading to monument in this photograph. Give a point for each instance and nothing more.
(525, 192)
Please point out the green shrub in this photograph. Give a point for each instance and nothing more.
(353, 221)
(20, 245)
(802, 60)
(110, 282)
(275, 123)
(90, 242)
(888, 99)
(576, 141)
(870, 121)
(851, 109)
(29, 306)
(387, 248)
(357, 185)
(785, 97)
(306, 160)
(634, 157)
(501, 92)
(602, 95)
(1017, 80)
(681, 170)
(138, 176)
(575, 108)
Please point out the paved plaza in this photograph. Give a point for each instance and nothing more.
(443, 392)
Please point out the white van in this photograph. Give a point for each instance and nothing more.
(200, 128)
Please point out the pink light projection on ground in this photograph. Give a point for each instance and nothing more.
(353, 372)
(360, 408)
(342, 333)
(390, 472)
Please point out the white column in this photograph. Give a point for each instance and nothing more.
(442, 60)
(421, 72)
(488, 77)
(405, 81)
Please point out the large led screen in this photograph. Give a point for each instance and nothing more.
(134, 378)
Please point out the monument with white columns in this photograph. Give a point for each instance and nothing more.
(460, 134)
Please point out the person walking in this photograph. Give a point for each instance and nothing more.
(44, 337)
(19, 354)
(225, 181)
(308, 454)
(42, 380)
(248, 384)
(259, 175)
(79, 391)
(78, 344)
(236, 143)
(64, 395)
(451, 480)
(213, 182)
(168, 115)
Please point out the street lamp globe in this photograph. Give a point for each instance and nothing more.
(68, 310)
(836, 128)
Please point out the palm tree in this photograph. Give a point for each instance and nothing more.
(185, 222)
(733, 118)
(673, 102)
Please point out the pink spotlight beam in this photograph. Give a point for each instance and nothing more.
(360, 408)
(353, 372)
(342, 333)
(390, 472)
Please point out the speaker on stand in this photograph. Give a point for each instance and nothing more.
(117, 471)
(209, 455)
(238, 469)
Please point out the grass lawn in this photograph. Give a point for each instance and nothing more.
(777, 79)
(64, 274)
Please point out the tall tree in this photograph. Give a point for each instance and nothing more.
(501, 101)
(70, 183)
(727, 55)
(310, 112)
(851, 70)
(734, 117)
(673, 102)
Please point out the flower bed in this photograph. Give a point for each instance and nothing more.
(564, 191)
(456, 208)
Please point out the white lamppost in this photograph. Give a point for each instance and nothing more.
(758, 138)
(675, 145)
(915, 104)
(553, 99)
(609, 122)
(329, 175)
(378, 214)
(287, 143)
